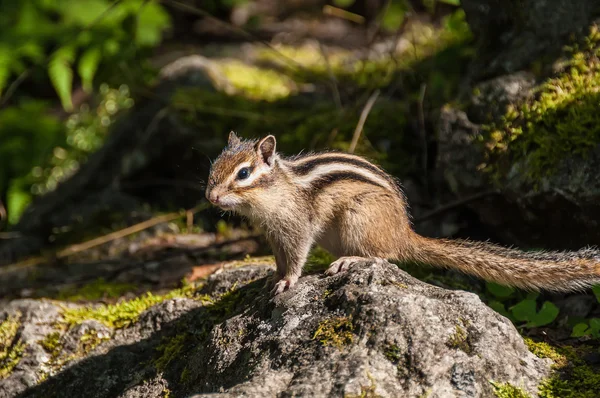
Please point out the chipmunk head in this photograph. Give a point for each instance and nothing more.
(243, 168)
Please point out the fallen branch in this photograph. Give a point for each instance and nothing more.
(79, 247)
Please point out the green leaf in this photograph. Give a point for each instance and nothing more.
(84, 13)
(32, 50)
(343, 3)
(595, 324)
(499, 308)
(546, 315)
(393, 16)
(532, 295)
(596, 290)
(17, 200)
(579, 330)
(111, 46)
(152, 19)
(524, 310)
(500, 291)
(88, 65)
(61, 75)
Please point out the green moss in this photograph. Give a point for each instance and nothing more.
(392, 353)
(185, 375)
(460, 340)
(51, 343)
(545, 350)
(169, 350)
(123, 313)
(336, 332)
(507, 390)
(561, 120)
(318, 260)
(257, 83)
(11, 347)
(60, 357)
(90, 340)
(96, 290)
(572, 377)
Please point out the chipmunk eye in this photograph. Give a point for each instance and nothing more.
(243, 173)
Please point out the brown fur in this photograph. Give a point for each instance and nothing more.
(365, 215)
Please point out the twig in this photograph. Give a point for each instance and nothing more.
(363, 118)
(189, 220)
(14, 85)
(76, 248)
(343, 14)
(336, 92)
(452, 205)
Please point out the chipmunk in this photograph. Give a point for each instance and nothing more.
(355, 210)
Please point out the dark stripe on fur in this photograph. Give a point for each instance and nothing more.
(306, 167)
(334, 177)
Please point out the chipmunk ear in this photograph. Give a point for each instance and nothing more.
(266, 149)
(233, 140)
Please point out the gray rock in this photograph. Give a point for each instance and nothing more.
(374, 329)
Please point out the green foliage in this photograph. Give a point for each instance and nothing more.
(393, 15)
(71, 32)
(526, 311)
(85, 133)
(335, 332)
(590, 327)
(561, 120)
(11, 348)
(24, 129)
(525, 307)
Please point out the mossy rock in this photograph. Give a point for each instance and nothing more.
(536, 141)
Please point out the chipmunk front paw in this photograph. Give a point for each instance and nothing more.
(284, 284)
(342, 264)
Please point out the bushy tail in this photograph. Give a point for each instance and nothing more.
(552, 271)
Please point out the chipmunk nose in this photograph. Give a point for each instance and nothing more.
(213, 196)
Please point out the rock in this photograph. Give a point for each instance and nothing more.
(514, 34)
(371, 330)
(521, 212)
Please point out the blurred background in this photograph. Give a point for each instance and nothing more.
(110, 112)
